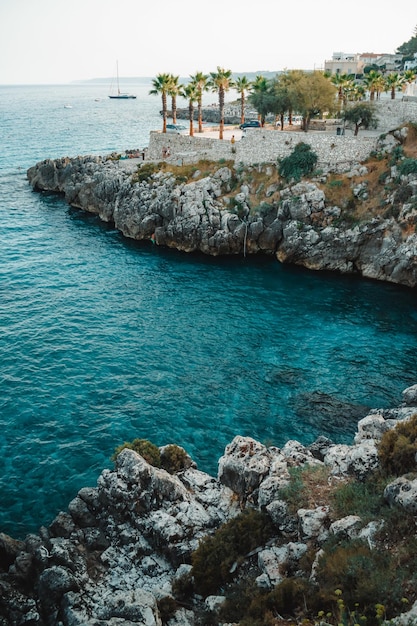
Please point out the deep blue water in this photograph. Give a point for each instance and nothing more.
(103, 339)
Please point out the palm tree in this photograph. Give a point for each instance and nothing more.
(221, 81)
(344, 84)
(160, 87)
(393, 82)
(409, 76)
(200, 81)
(191, 92)
(174, 91)
(242, 85)
(356, 93)
(261, 97)
(372, 81)
(379, 86)
(259, 89)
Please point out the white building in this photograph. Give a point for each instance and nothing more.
(348, 63)
(344, 63)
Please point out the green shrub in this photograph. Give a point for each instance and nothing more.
(145, 171)
(396, 154)
(398, 448)
(167, 607)
(402, 194)
(366, 577)
(408, 166)
(250, 606)
(145, 448)
(174, 459)
(217, 554)
(359, 498)
(299, 163)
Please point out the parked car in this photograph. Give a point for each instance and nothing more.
(250, 124)
(176, 128)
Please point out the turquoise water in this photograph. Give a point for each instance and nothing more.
(103, 339)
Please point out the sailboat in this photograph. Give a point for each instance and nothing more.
(119, 95)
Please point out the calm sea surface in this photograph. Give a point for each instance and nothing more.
(103, 339)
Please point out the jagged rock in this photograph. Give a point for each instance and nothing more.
(244, 464)
(347, 527)
(313, 523)
(145, 523)
(371, 427)
(278, 511)
(320, 447)
(214, 603)
(297, 454)
(402, 492)
(410, 395)
(9, 549)
(299, 228)
(277, 562)
(357, 460)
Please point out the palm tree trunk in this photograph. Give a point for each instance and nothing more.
(174, 109)
(221, 111)
(200, 114)
(164, 113)
(242, 107)
(191, 114)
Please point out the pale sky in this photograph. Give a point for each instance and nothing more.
(57, 41)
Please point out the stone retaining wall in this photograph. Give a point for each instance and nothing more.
(336, 153)
(394, 113)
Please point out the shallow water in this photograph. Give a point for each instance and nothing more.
(104, 339)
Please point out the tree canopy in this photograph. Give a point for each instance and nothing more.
(361, 115)
(409, 48)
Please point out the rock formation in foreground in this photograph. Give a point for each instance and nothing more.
(363, 221)
(123, 549)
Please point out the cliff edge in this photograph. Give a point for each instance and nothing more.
(362, 220)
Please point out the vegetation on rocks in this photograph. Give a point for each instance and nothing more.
(171, 458)
(351, 580)
(299, 163)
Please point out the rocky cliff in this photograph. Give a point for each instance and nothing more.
(362, 221)
(122, 552)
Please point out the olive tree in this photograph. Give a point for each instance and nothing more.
(362, 115)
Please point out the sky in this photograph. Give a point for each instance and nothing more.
(57, 41)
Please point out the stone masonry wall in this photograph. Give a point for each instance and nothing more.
(335, 152)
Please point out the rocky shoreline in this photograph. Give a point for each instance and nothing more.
(116, 555)
(240, 210)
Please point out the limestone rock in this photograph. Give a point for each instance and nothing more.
(402, 492)
(243, 466)
(410, 396)
(314, 523)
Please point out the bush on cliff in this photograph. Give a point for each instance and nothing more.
(398, 448)
(171, 458)
(145, 448)
(217, 556)
(174, 459)
(408, 166)
(299, 163)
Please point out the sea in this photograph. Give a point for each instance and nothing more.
(104, 339)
